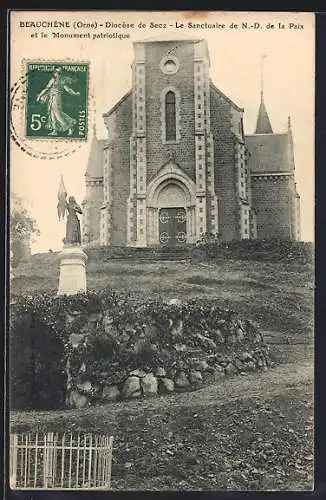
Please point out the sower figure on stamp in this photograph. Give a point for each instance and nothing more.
(73, 233)
(51, 95)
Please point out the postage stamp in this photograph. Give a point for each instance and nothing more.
(56, 100)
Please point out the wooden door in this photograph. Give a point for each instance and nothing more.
(172, 226)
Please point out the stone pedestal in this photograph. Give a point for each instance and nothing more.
(72, 271)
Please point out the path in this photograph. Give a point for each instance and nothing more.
(277, 380)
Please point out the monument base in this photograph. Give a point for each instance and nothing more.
(72, 271)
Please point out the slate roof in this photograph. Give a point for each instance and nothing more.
(263, 125)
(218, 91)
(270, 153)
(123, 98)
(95, 158)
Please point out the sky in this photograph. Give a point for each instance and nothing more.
(235, 56)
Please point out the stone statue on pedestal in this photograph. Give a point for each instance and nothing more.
(73, 234)
(72, 258)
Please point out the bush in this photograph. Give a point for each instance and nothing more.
(264, 250)
(36, 364)
(115, 334)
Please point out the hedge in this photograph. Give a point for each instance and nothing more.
(213, 249)
(105, 335)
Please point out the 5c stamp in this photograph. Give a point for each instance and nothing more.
(56, 100)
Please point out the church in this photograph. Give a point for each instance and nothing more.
(177, 163)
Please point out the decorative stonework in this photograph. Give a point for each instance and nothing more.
(240, 162)
(187, 118)
(242, 185)
(276, 177)
(132, 203)
(91, 207)
(136, 212)
(106, 212)
(245, 221)
(253, 224)
(141, 193)
(207, 203)
(171, 175)
(212, 212)
(169, 65)
(106, 224)
(201, 221)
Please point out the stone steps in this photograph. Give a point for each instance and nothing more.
(150, 253)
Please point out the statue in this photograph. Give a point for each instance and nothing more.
(73, 234)
(73, 259)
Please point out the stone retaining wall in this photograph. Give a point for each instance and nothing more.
(150, 359)
(105, 346)
(184, 377)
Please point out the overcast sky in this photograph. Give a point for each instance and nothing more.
(235, 56)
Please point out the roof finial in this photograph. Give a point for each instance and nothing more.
(262, 57)
(263, 125)
(289, 122)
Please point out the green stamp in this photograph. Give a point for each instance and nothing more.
(56, 100)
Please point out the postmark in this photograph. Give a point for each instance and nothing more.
(56, 100)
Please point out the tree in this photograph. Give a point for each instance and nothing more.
(23, 229)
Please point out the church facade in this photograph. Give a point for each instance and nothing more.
(176, 163)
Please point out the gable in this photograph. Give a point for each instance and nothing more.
(214, 89)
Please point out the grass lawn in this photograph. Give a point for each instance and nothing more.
(245, 433)
(278, 295)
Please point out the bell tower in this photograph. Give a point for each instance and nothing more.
(171, 120)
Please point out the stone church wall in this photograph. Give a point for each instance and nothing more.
(92, 207)
(119, 126)
(225, 173)
(272, 199)
(183, 81)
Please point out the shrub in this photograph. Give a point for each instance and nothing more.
(265, 250)
(36, 364)
(116, 334)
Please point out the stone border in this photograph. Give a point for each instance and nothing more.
(198, 373)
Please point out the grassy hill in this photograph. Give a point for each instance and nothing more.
(277, 294)
(247, 433)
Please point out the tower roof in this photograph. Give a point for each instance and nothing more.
(270, 153)
(263, 125)
(95, 158)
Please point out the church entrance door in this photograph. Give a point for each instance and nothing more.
(172, 226)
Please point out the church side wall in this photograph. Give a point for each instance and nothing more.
(91, 220)
(272, 198)
(183, 82)
(298, 219)
(225, 174)
(119, 125)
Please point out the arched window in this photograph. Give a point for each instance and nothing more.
(170, 117)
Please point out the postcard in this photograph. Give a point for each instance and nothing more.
(161, 332)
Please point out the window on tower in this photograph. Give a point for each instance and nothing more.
(170, 117)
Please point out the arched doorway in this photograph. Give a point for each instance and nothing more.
(172, 218)
(171, 207)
